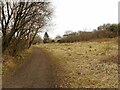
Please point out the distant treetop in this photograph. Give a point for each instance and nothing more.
(46, 35)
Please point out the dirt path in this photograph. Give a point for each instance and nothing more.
(36, 72)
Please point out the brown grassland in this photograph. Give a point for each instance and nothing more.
(85, 64)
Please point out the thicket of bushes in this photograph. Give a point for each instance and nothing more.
(104, 31)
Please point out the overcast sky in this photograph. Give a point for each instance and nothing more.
(82, 15)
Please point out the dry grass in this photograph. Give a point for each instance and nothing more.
(86, 64)
(10, 63)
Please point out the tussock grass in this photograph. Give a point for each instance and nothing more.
(85, 64)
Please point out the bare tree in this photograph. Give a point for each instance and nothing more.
(21, 21)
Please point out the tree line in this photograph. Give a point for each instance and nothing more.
(103, 31)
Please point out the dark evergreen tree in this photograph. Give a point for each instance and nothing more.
(46, 38)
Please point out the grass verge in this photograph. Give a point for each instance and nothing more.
(10, 63)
